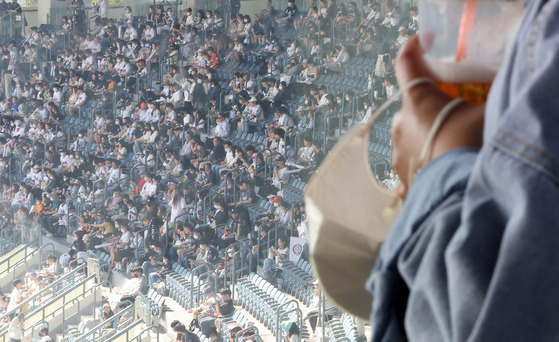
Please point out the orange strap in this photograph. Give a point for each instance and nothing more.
(466, 26)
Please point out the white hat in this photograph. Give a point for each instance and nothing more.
(402, 28)
(252, 99)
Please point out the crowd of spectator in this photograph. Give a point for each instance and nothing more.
(128, 135)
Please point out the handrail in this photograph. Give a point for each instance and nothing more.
(10, 238)
(195, 285)
(90, 335)
(52, 287)
(21, 262)
(41, 249)
(126, 332)
(281, 314)
(268, 160)
(9, 258)
(139, 337)
(39, 323)
(52, 300)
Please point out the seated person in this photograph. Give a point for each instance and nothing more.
(134, 286)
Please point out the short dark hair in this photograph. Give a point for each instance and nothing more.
(225, 292)
(180, 328)
(175, 323)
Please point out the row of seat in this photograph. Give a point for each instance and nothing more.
(294, 191)
(240, 319)
(149, 307)
(382, 133)
(379, 152)
(261, 207)
(266, 302)
(297, 280)
(184, 286)
(244, 139)
(343, 329)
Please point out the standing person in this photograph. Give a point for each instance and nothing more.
(15, 331)
(14, 8)
(16, 296)
(235, 7)
(4, 19)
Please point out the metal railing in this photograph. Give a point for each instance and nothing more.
(100, 332)
(46, 310)
(58, 285)
(11, 264)
(284, 311)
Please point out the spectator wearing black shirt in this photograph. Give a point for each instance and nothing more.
(226, 307)
(184, 335)
(217, 155)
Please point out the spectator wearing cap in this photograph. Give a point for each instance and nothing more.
(259, 245)
(134, 286)
(174, 140)
(103, 226)
(43, 334)
(402, 39)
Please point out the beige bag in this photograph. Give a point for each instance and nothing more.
(350, 214)
(345, 206)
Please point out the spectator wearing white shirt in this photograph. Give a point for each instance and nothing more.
(280, 174)
(222, 128)
(149, 32)
(131, 33)
(74, 109)
(150, 187)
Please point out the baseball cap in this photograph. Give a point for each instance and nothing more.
(277, 199)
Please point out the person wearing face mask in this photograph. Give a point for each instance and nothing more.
(220, 215)
(134, 286)
(77, 243)
(286, 17)
(225, 269)
(367, 111)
